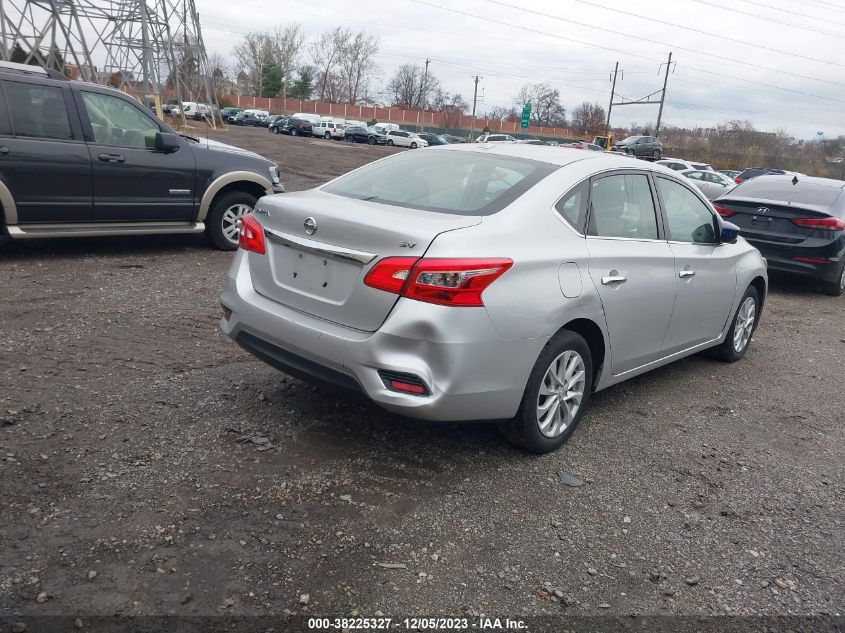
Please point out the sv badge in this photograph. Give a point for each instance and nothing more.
(407, 244)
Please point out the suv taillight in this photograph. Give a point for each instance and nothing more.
(725, 213)
(828, 224)
(251, 237)
(450, 282)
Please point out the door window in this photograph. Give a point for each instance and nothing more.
(695, 175)
(38, 111)
(117, 122)
(622, 206)
(689, 219)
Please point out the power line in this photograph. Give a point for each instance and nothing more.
(709, 3)
(708, 33)
(801, 15)
(683, 48)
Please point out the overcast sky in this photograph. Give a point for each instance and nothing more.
(713, 80)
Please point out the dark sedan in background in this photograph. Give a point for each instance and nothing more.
(433, 139)
(276, 125)
(797, 223)
(359, 134)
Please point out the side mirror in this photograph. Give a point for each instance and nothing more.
(167, 142)
(730, 232)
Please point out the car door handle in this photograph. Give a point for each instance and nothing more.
(111, 158)
(686, 273)
(4, 150)
(613, 278)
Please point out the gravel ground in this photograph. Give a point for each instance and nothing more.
(149, 466)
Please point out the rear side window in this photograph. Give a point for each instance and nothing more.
(622, 206)
(573, 206)
(456, 182)
(38, 111)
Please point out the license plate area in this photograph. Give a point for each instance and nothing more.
(304, 273)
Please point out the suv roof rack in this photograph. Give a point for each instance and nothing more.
(29, 68)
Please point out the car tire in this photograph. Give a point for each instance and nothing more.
(294, 133)
(629, 152)
(328, 136)
(390, 142)
(371, 140)
(835, 288)
(526, 429)
(223, 216)
(413, 146)
(736, 344)
(656, 154)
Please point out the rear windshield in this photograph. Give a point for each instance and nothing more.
(810, 192)
(460, 183)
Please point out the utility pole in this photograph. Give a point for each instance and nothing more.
(474, 101)
(612, 93)
(424, 93)
(663, 97)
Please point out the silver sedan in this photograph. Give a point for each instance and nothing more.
(492, 282)
(711, 183)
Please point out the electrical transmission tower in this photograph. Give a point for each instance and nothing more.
(148, 48)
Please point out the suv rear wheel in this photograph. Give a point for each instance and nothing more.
(222, 226)
(835, 288)
(328, 136)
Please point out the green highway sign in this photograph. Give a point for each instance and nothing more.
(526, 115)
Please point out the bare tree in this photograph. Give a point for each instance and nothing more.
(287, 47)
(217, 66)
(326, 54)
(503, 113)
(409, 88)
(358, 64)
(546, 109)
(251, 55)
(588, 118)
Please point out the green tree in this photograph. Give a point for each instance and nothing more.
(303, 87)
(271, 80)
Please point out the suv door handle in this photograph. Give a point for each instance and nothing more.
(111, 158)
(686, 273)
(4, 150)
(613, 278)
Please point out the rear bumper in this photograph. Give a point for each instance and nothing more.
(470, 373)
(783, 258)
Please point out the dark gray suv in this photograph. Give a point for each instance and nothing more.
(640, 146)
(78, 159)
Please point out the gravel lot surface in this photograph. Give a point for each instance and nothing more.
(150, 466)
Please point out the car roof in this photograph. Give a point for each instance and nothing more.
(555, 155)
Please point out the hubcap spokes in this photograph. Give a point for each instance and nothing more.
(744, 323)
(561, 393)
(231, 221)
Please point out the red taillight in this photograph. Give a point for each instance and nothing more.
(398, 385)
(452, 282)
(737, 180)
(811, 260)
(390, 274)
(251, 235)
(828, 224)
(725, 213)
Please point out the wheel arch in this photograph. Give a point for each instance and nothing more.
(590, 331)
(760, 286)
(249, 182)
(8, 208)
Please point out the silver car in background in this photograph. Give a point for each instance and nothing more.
(711, 183)
(492, 282)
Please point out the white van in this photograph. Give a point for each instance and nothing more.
(384, 128)
(313, 118)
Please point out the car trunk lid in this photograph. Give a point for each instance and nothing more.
(770, 221)
(320, 272)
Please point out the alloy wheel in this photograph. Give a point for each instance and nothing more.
(744, 325)
(231, 221)
(561, 393)
(842, 279)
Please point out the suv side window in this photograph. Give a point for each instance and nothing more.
(38, 111)
(573, 206)
(5, 124)
(116, 122)
(688, 218)
(622, 206)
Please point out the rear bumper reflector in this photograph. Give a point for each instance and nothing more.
(404, 383)
(812, 260)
